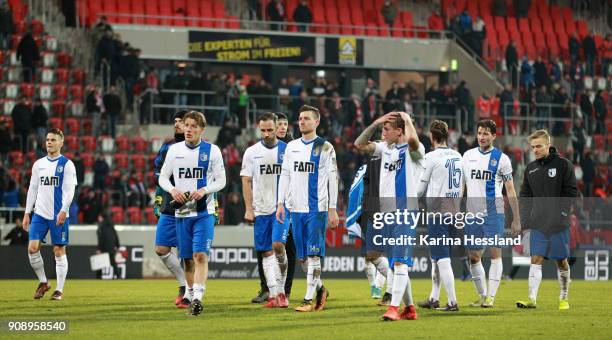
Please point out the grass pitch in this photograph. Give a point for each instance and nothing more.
(137, 309)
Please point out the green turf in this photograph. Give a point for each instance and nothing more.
(144, 308)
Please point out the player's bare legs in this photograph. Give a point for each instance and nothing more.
(37, 263)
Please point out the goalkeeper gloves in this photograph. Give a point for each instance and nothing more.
(157, 206)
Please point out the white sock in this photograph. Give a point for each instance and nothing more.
(448, 279)
(389, 282)
(495, 273)
(281, 274)
(61, 270)
(37, 263)
(198, 291)
(408, 292)
(564, 281)
(189, 293)
(382, 265)
(478, 277)
(380, 280)
(535, 277)
(400, 279)
(370, 270)
(435, 282)
(312, 277)
(174, 265)
(269, 266)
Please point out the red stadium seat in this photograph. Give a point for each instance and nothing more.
(134, 215)
(72, 126)
(62, 75)
(64, 59)
(121, 161)
(58, 107)
(78, 75)
(122, 143)
(76, 91)
(37, 27)
(88, 159)
(139, 161)
(150, 216)
(60, 91)
(89, 143)
(17, 158)
(71, 143)
(27, 90)
(117, 215)
(56, 122)
(140, 144)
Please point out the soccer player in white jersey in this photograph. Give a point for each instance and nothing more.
(261, 169)
(51, 191)
(485, 170)
(198, 172)
(309, 181)
(441, 184)
(401, 154)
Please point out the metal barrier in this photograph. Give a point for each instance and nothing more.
(541, 115)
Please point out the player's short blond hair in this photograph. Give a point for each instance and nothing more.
(197, 116)
(539, 134)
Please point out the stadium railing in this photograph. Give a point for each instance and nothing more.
(528, 117)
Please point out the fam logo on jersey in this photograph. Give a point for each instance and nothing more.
(60, 169)
(270, 169)
(552, 172)
(394, 166)
(308, 167)
(50, 181)
(203, 157)
(494, 162)
(481, 174)
(191, 173)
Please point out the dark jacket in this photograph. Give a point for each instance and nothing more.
(273, 12)
(6, 142)
(108, 239)
(157, 164)
(6, 20)
(39, 117)
(27, 51)
(112, 104)
(588, 44)
(574, 46)
(547, 194)
(22, 118)
(511, 56)
(302, 14)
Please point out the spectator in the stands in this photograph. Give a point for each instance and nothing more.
(92, 108)
(521, 8)
(233, 213)
(577, 76)
(406, 104)
(393, 97)
(90, 202)
(586, 108)
(10, 197)
(574, 48)
(39, 121)
(6, 141)
(556, 69)
(102, 25)
(112, 107)
(590, 53)
(276, 13)
(101, 170)
(588, 173)
(389, 12)
(6, 26)
(283, 93)
(499, 8)
(465, 20)
(436, 23)
(479, 33)
(22, 122)
(131, 72)
(371, 88)
(606, 58)
(106, 56)
(527, 77)
(463, 99)
(483, 106)
(17, 236)
(302, 16)
(560, 111)
(512, 63)
(540, 72)
(254, 7)
(29, 55)
(506, 100)
(542, 101)
(600, 112)
(579, 137)
(79, 168)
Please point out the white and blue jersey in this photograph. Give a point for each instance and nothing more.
(485, 174)
(51, 191)
(355, 199)
(263, 165)
(194, 168)
(309, 183)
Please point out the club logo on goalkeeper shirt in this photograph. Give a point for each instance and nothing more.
(308, 167)
(191, 173)
(50, 181)
(270, 169)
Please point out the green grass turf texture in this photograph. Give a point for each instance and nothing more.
(136, 309)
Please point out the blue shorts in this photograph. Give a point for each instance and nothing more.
(195, 235)
(40, 226)
(165, 234)
(400, 253)
(267, 230)
(373, 236)
(437, 231)
(493, 225)
(309, 233)
(554, 246)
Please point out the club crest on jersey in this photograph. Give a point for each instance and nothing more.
(203, 157)
(316, 150)
(191, 173)
(494, 162)
(552, 172)
(60, 169)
